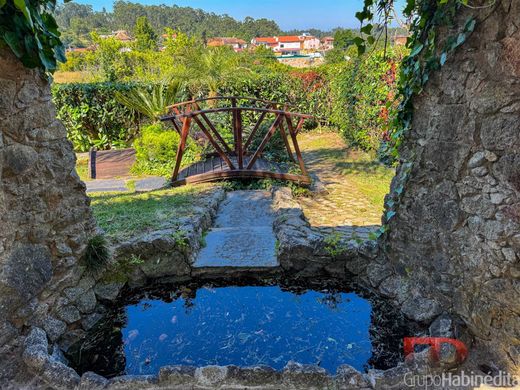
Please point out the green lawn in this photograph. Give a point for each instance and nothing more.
(124, 215)
(363, 169)
(82, 168)
(371, 177)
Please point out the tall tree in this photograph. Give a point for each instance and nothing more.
(145, 36)
(342, 38)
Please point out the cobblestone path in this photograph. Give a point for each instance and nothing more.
(337, 203)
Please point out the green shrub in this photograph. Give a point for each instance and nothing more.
(356, 97)
(363, 96)
(156, 151)
(92, 115)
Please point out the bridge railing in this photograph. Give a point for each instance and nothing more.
(287, 123)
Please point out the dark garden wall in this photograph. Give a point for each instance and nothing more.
(456, 236)
(45, 218)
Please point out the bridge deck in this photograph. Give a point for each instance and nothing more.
(215, 169)
(236, 159)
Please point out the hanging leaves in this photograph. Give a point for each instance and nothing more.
(28, 28)
(426, 56)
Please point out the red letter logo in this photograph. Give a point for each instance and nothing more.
(435, 343)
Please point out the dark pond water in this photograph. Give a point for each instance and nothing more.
(240, 325)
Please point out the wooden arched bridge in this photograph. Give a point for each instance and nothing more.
(241, 154)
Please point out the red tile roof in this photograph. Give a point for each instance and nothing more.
(290, 38)
(225, 41)
(122, 35)
(271, 40)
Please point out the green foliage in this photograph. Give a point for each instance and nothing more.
(76, 20)
(209, 69)
(145, 36)
(28, 28)
(363, 92)
(343, 38)
(156, 150)
(334, 244)
(177, 43)
(335, 56)
(151, 102)
(97, 254)
(427, 54)
(109, 58)
(180, 237)
(93, 116)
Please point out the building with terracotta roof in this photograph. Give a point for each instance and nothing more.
(311, 44)
(270, 42)
(284, 45)
(120, 35)
(327, 43)
(236, 43)
(289, 44)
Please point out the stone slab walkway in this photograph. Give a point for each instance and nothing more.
(242, 235)
(121, 185)
(337, 204)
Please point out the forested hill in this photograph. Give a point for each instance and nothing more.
(77, 21)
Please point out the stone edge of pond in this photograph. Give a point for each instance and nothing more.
(80, 304)
(54, 371)
(171, 251)
(303, 251)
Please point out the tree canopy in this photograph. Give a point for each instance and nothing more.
(77, 20)
(145, 36)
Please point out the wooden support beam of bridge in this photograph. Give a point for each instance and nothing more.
(236, 161)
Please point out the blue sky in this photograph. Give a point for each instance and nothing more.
(290, 14)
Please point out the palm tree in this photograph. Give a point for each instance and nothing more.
(212, 67)
(152, 102)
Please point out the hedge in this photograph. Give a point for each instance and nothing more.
(355, 97)
(93, 117)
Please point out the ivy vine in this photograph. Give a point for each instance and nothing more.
(428, 53)
(29, 29)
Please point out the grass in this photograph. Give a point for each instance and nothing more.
(362, 169)
(124, 215)
(71, 77)
(82, 167)
(97, 254)
(370, 177)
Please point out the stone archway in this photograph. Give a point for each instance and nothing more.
(455, 241)
(45, 220)
(453, 246)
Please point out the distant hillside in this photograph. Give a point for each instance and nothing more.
(76, 21)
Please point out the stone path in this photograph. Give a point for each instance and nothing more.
(337, 205)
(122, 185)
(242, 235)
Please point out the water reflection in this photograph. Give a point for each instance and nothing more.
(246, 325)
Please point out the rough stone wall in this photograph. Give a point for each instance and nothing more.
(456, 235)
(45, 218)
